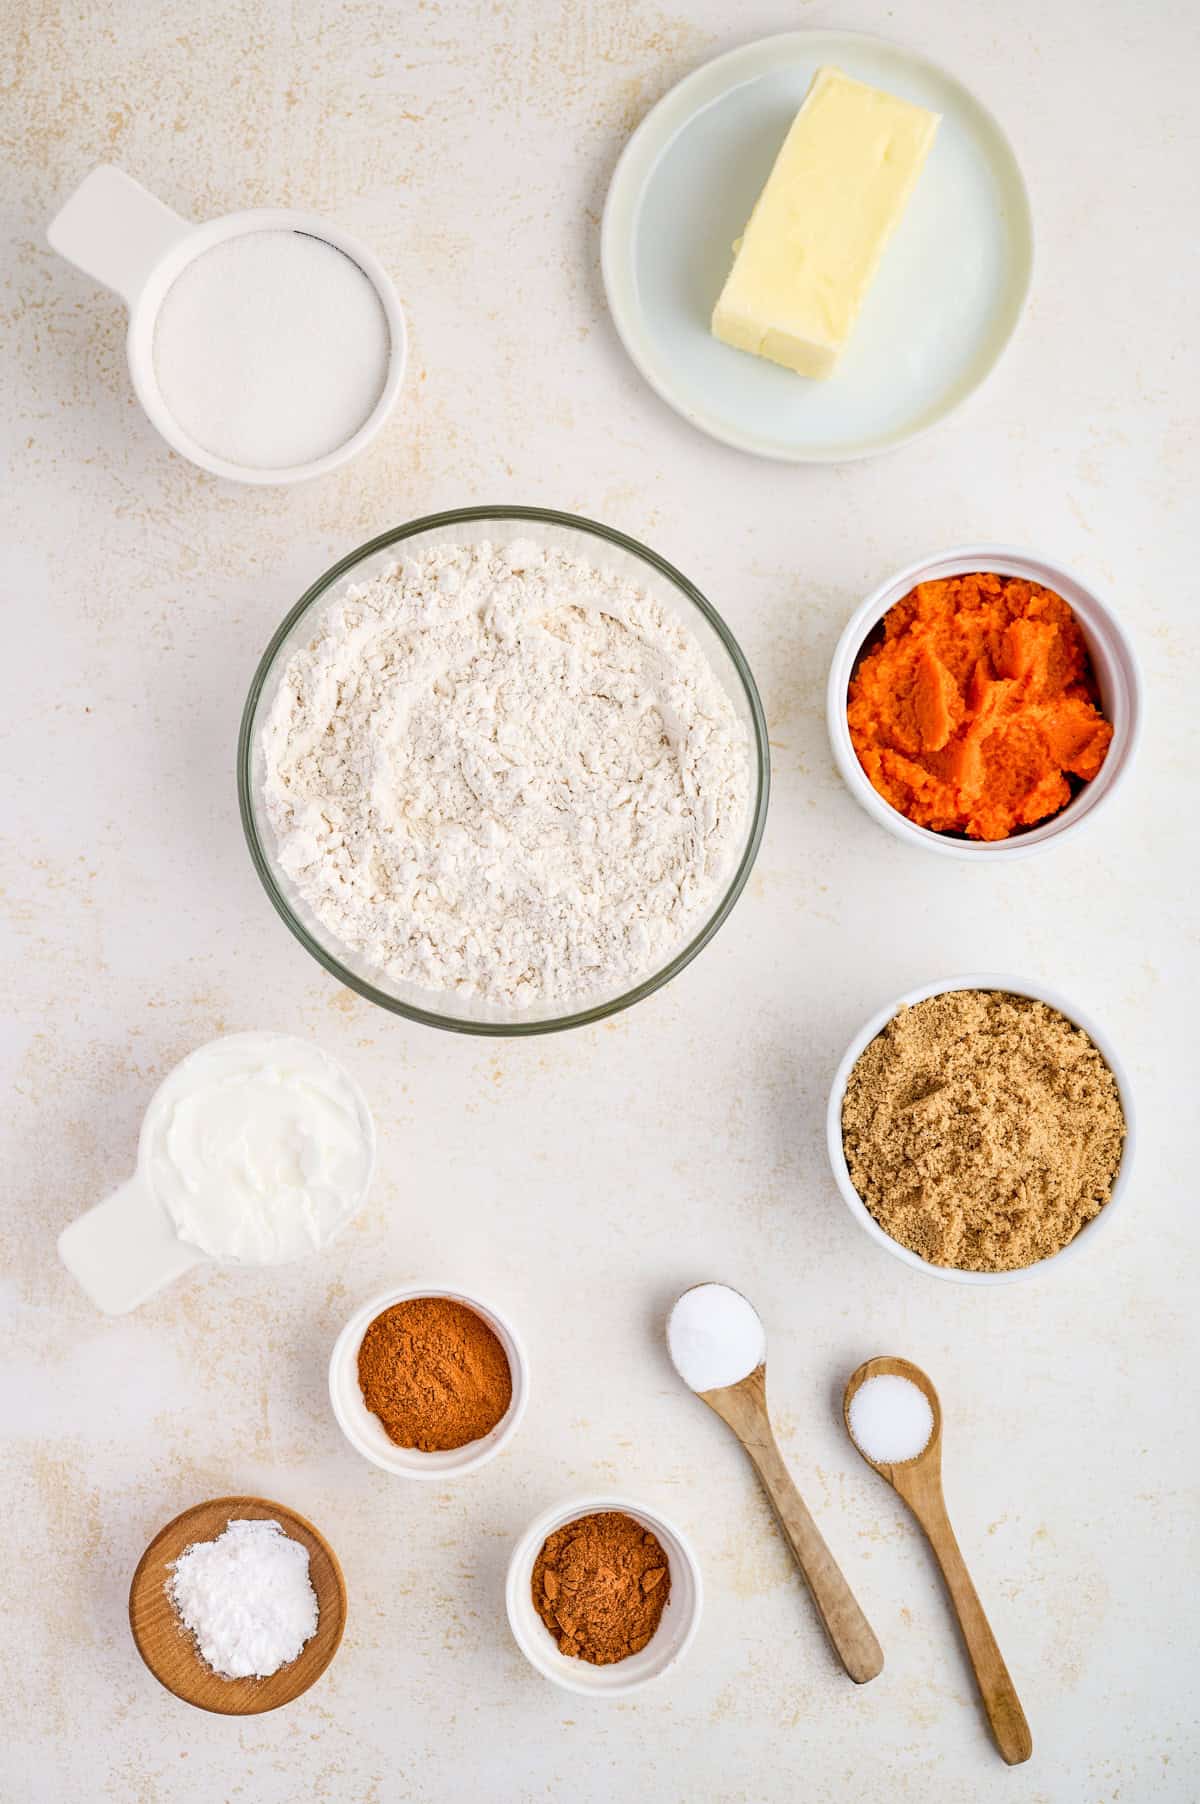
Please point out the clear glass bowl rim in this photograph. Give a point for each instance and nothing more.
(431, 1017)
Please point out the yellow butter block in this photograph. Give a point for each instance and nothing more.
(819, 228)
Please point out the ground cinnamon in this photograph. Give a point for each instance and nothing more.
(600, 1585)
(434, 1373)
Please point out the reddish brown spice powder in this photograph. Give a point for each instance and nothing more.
(434, 1373)
(600, 1585)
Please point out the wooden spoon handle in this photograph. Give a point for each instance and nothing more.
(850, 1633)
(996, 1688)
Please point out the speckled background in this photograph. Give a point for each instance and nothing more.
(582, 1181)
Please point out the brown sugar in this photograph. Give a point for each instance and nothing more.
(982, 1130)
(600, 1585)
(434, 1373)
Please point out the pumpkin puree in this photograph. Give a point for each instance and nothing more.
(978, 707)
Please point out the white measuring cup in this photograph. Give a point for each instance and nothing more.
(118, 233)
(129, 1246)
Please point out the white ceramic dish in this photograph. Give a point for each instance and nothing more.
(124, 237)
(1113, 660)
(683, 190)
(670, 1641)
(365, 1432)
(1017, 986)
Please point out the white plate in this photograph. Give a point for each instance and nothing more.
(944, 304)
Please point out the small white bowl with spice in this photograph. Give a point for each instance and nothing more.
(1096, 1086)
(1110, 676)
(428, 1382)
(618, 1533)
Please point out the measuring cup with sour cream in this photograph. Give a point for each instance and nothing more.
(257, 1149)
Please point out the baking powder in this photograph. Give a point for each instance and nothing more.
(246, 1597)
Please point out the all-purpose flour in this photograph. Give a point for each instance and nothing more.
(502, 772)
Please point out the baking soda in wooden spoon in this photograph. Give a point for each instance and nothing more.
(715, 1337)
(718, 1345)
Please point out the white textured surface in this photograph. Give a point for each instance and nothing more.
(584, 1182)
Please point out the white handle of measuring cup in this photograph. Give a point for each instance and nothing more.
(125, 1249)
(115, 230)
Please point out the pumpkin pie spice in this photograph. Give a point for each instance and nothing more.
(600, 1585)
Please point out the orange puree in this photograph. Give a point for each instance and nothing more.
(978, 707)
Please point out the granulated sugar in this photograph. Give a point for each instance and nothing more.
(501, 772)
(891, 1419)
(271, 349)
(246, 1597)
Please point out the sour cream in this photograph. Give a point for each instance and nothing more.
(259, 1147)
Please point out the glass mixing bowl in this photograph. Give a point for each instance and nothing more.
(594, 544)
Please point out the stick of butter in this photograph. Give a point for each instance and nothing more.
(820, 226)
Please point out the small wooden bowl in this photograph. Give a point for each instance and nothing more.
(171, 1653)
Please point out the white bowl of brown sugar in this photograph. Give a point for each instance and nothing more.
(981, 1128)
(428, 1382)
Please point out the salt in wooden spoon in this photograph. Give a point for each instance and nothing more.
(919, 1482)
(742, 1406)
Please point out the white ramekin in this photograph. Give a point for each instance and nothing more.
(365, 1432)
(670, 1641)
(1016, 986)
(1113, 660)
(120, 234)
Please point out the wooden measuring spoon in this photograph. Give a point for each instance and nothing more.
(919, 1482)
(743, 1407)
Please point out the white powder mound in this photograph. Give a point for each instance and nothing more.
(715, 1337)
(501, 772)
(246, 1597)
(891, 1419)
